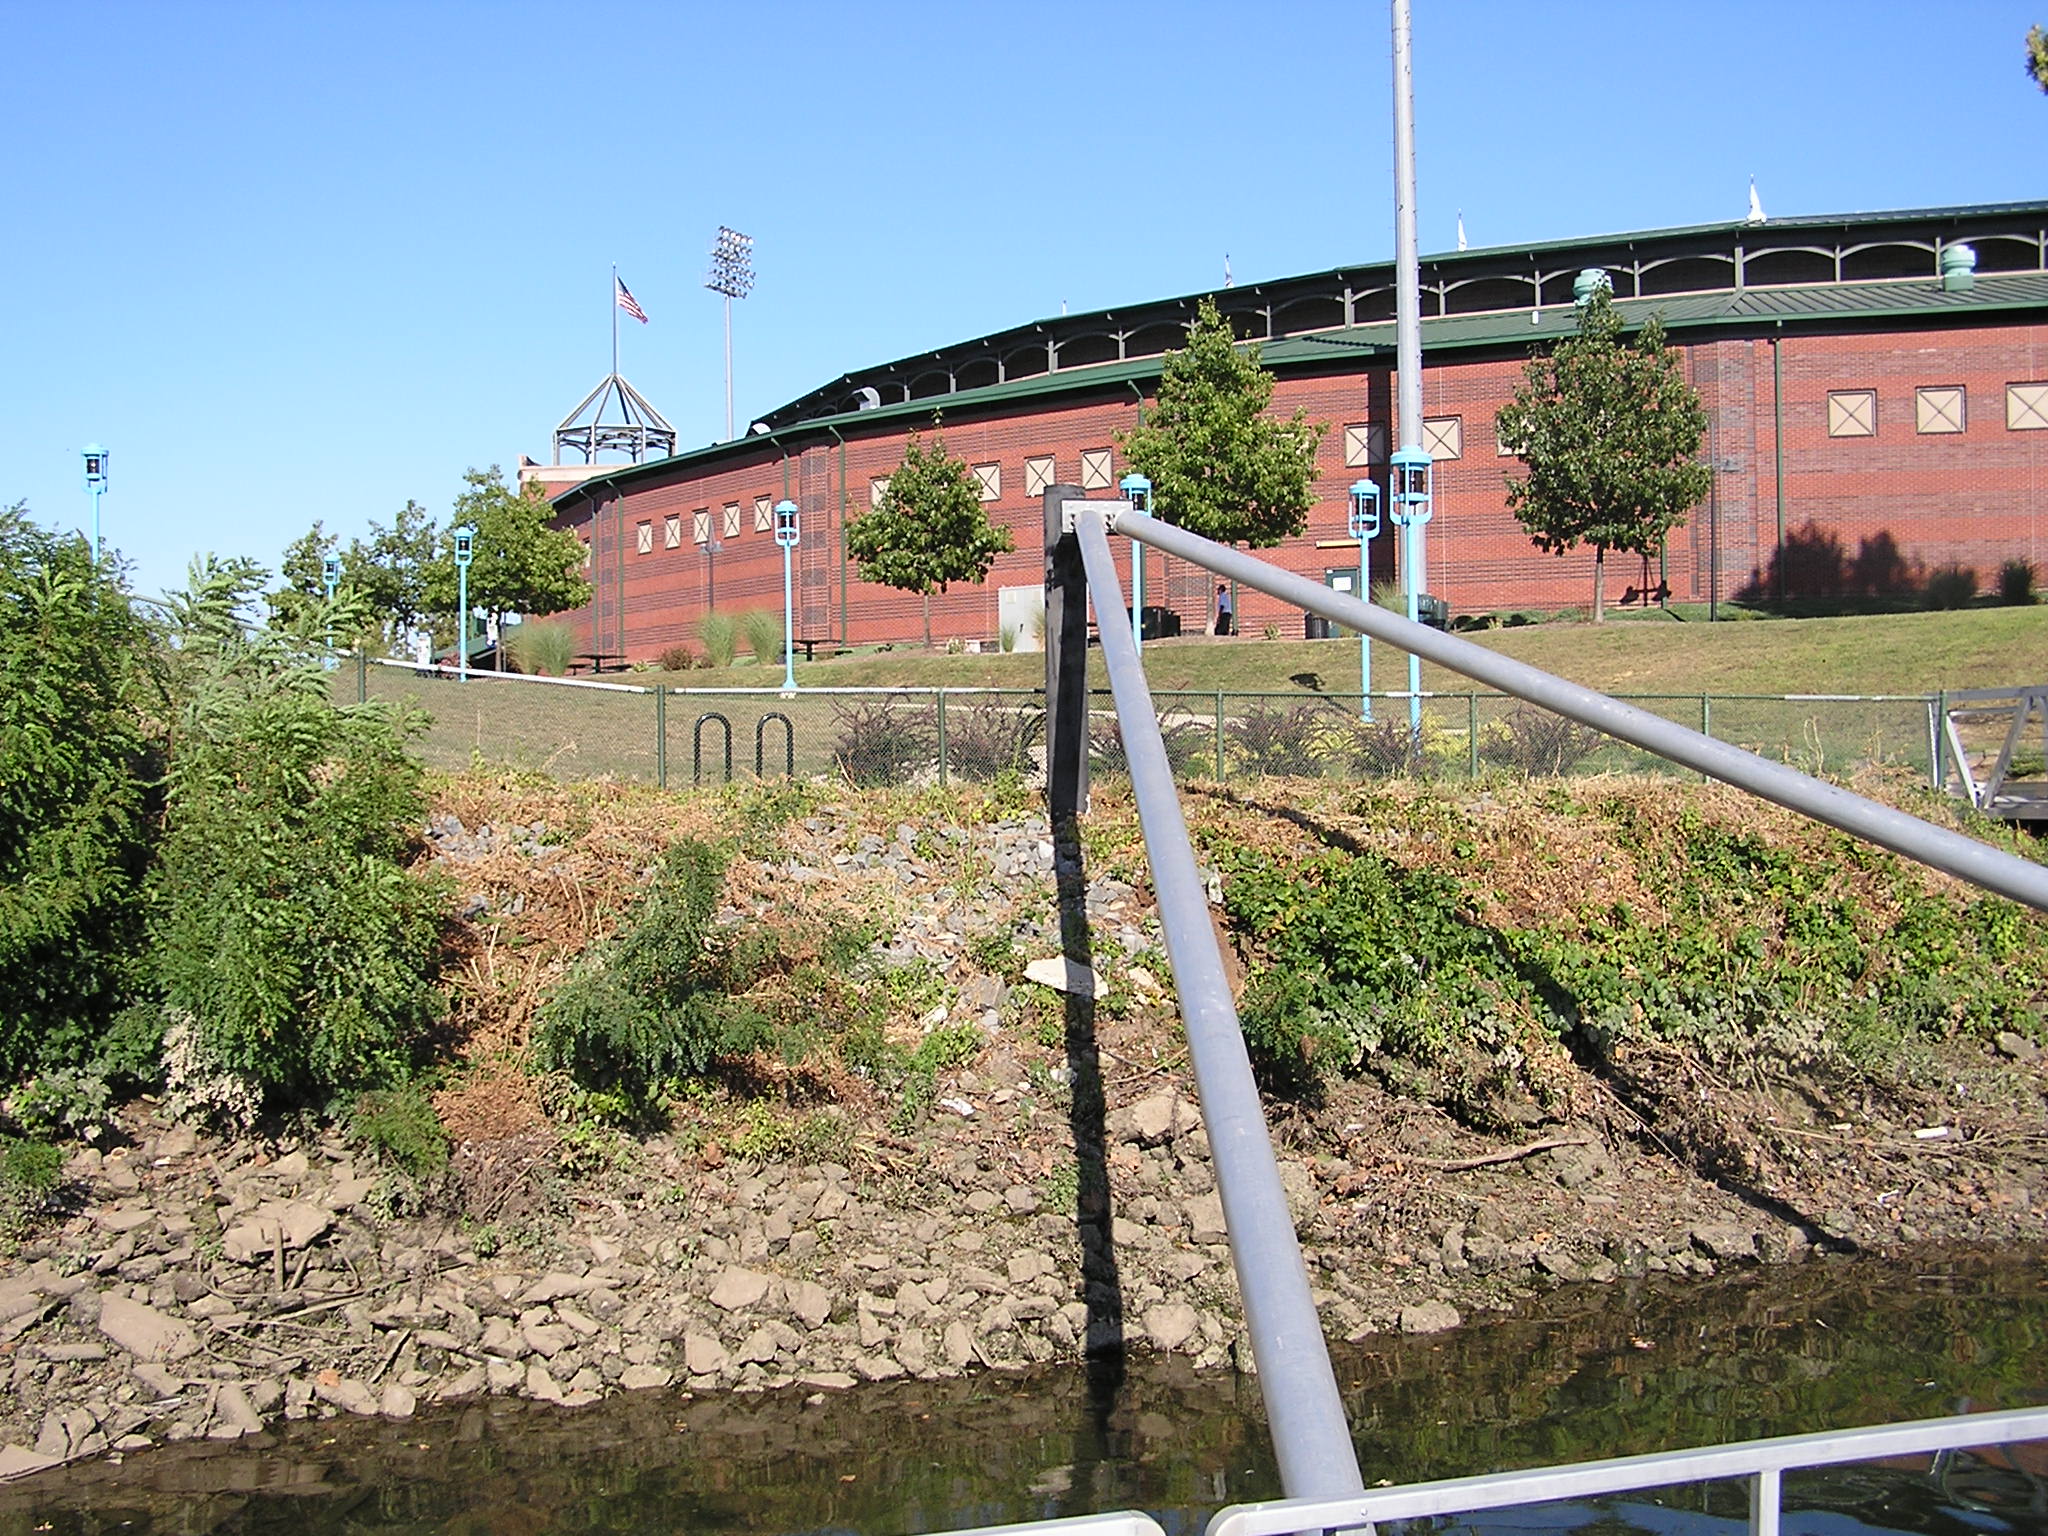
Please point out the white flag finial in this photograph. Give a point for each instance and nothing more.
(1461, 229)
(1756, 205)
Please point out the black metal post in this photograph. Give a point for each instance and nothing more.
(1066, 661)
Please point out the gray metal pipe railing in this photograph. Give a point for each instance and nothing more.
(1950, 852)
(1762, 1462)
(1310, 1434)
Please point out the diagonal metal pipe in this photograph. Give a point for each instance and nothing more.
(1310, 1435)
(1951, 852)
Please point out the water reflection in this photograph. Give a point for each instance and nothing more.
(1595, 1373)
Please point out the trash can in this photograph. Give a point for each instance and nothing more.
(1316, 627)
(1160, 623)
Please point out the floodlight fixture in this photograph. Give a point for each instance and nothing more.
(732, 274)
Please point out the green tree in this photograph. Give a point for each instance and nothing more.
(519, 563)
(303, 574)
(1610, 433)
(390, 568)
(76, 687)
(1219, 465)
(929, 529)
(2037, 55)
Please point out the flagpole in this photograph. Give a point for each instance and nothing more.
(615, 319)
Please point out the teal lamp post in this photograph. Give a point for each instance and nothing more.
(465, 551)
(330, 578)
(96, 483)
(1138, 492)
(1410, 472)
(787, 536)
(1365, 527)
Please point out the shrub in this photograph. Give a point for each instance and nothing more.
(73, 764)
(289, 939)
(29, 1175)
(677, 658)
(399, 1125)
(989, 738)
(764, 634)
(542, 647)
(1951, 586)
(1189, 745)
(664, 1000)
(1537, 742)
(2016, 583)
(718, 633)
(883, 741)
(1289, 742)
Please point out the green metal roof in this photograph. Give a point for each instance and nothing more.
(1739, 310)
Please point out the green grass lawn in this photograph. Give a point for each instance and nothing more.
(1883, 653)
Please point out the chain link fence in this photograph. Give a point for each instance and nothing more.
(572, 729)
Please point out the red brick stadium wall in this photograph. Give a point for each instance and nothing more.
(1861, 513)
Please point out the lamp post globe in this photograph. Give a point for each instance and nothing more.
(1364, 523)
(95, 483)
(1137, 491)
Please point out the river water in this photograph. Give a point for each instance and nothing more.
(1587, 1372)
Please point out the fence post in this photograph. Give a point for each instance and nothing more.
(1472, 735)
(362, 677)
(942, 737)
(660, 737)
(1219, 735)
(1937, 740)
(1066, 661)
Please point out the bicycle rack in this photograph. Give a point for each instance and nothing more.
(761, 741)
(697, 746)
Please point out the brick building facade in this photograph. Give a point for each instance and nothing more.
(1871, 419)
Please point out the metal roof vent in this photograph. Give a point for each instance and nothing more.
(1588, 283)
(1958, 268)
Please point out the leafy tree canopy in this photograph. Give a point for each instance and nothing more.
(1610, 433)
(304, 573)
(519, 563)
(2037, 55)
(389, 569)
(929, 529)
(1220, 466)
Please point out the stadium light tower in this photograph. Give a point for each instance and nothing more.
(732, 274)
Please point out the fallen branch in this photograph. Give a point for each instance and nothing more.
(1512, 1154)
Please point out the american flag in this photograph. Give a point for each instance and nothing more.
(628, 303)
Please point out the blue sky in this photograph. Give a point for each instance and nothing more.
(292, 261)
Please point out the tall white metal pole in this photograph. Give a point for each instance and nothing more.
(1407, 278)
(728, 367)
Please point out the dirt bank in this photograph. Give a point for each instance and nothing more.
(1047, 1192)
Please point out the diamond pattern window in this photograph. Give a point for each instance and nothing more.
(1096, 469)
(732, 519)
(700, 525)
(1852, 413)
(2026, 407)
(989, 481)
(877, 489)
(1938, 409)
(672, 531)
(1365, 444)
(764, 515)
(1443, 437)
(643, 538)
(1038, 474)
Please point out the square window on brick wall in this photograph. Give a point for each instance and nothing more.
(1096, 469)
(2026, 407)
(877, 489)
(988, 481)
(732, 519)
(700, 525)
(672, 531)
(764, 515)
(1444, 437)
(1938, 408)
(1038, 474)
(643, 538)
(1852, 413)
(1365, 443)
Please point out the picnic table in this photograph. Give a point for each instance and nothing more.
(604, 661)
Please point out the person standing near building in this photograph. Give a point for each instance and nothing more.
(1224, 612)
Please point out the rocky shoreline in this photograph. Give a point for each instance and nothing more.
(1054, 1196)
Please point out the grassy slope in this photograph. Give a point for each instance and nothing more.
(1889, 653)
